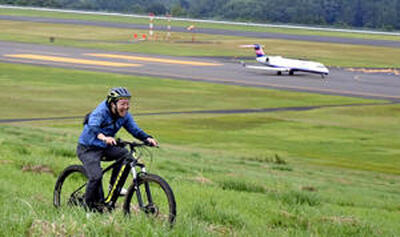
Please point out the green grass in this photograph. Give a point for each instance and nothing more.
(325, 172)
(217, 195)
(144, 20)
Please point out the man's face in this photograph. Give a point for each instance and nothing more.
(122, 107)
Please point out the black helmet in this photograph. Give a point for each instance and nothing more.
(118, 93)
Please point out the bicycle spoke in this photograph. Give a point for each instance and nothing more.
(72, 193)
(157, 202)
(70, 190)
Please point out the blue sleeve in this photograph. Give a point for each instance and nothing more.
(133, 129)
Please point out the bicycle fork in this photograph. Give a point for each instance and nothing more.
(137, 189)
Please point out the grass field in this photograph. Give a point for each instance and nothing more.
(324, 172)
(161, 22)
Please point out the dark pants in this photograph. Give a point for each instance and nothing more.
(91, 157)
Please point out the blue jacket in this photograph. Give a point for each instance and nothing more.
(101, 121)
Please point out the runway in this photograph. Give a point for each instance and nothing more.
(339, 82)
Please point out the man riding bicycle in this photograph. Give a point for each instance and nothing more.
(97, 142)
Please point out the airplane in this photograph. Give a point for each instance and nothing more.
(279, 64)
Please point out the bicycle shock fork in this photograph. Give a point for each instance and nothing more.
(137, 189)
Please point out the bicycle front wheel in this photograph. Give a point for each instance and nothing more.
(153, 196)
(70, 187)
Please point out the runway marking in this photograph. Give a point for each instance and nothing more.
(157, 60)
(213, 79)
(71, 60)
(371, 70)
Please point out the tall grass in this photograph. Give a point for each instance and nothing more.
(241, 200)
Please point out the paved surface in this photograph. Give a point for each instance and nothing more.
(339, 82)
(269, 35)
(242, 111)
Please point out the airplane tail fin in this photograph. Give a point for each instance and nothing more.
(257, 48)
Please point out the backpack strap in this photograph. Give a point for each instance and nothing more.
(103, 125)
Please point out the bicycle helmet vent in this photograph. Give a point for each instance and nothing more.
(118, 93)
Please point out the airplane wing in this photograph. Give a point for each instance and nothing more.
(266, 68)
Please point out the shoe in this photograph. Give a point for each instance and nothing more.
(96, 208)
(122, 193)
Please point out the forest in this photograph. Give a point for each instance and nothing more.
(373, 14)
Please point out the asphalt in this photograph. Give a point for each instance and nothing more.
(269, 35)
(339, 82)
(242, 111)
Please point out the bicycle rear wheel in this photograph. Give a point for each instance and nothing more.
(70, 187)
(154, 197)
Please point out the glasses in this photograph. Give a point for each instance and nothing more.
(123, 102)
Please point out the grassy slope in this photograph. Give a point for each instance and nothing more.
(327, 172)
(280, 199)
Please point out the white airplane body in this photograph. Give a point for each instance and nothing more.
(280, 64)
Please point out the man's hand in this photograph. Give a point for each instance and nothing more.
(110, 141)
(151, 141)
(107, 140)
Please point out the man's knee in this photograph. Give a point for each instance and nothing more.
(115, 153)
(94, 171)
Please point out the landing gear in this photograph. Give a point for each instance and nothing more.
(291, 73)
(279, 73)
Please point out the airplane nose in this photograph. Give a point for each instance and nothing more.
(324, 69)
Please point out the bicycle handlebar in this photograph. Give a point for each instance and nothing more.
(132, 145)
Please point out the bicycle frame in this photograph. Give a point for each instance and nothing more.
(128, 166)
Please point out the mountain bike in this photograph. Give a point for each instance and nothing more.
(148, 193)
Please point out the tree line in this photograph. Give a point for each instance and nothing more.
(377, 14)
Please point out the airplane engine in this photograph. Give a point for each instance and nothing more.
(263, 59)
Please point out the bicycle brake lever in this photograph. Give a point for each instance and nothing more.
(120, 142)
